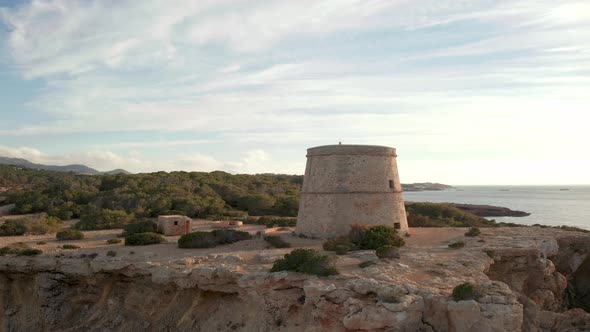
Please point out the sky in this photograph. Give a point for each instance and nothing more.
(469, 92)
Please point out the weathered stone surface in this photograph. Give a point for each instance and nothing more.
(236, 292)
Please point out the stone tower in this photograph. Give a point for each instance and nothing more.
(350, 184)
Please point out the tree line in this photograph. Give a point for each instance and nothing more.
(195, 194)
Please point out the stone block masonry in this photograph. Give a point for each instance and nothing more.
(350, 184)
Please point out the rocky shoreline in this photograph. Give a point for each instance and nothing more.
(489, 210)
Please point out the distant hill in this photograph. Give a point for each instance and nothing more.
(74, 168)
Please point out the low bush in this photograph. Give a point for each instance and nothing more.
(41, 243)
(358, 233)
(197, 240)
(572, 229)
(387, 252)
(307, 261)
(12, 228)
(465, 291)
(342, 241)
(37, 224)
(364, 237)
(69, 234)
(491, 253)
(30, 252)
(276, 241)
(70, 246)
(212, 239)
(113, 241)
(145, 226)
(143, 239)
(20, 249)
(111, 253)
(457, 245)
(473, 231)
(226, 236)
(341, 250)
(379, 236)
(366, 264)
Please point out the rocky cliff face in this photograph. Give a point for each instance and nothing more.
(519, 290)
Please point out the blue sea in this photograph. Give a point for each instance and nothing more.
(548, 205)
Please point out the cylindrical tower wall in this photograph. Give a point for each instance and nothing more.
(350, 184)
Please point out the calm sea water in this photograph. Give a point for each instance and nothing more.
(548, 205)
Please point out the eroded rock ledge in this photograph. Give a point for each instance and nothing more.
(521, 291)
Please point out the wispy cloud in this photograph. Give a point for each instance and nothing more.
(426, 76)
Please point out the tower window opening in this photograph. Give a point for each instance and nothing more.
(176, 223)
(397, 225)
(390, 183)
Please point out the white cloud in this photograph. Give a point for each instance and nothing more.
(249, 73)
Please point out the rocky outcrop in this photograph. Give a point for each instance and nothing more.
(517, 290)
(489, 210)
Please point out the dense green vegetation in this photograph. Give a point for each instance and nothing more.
(111, 201)
(306, 261)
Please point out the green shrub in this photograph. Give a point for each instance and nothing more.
(457, 245)
(212, 239)
(572, 229)
(366, 264)
(20, 249)
(113, 241)
(473, 231)
(69, 234)
(491, 253)
(379, 236)
(465, 291)
(41, 224)
(70, 246)
(358, 233)
(12, 228)
(30, 252)
(307, 261)
(41, 243)
(197, 240)
(341, 250)
(146, 226)
(143, 239)
(387, 252)
(342, 241)
(276, 241)
(226, 236)
(111, 253)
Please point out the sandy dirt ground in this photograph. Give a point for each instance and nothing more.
(96, 242)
